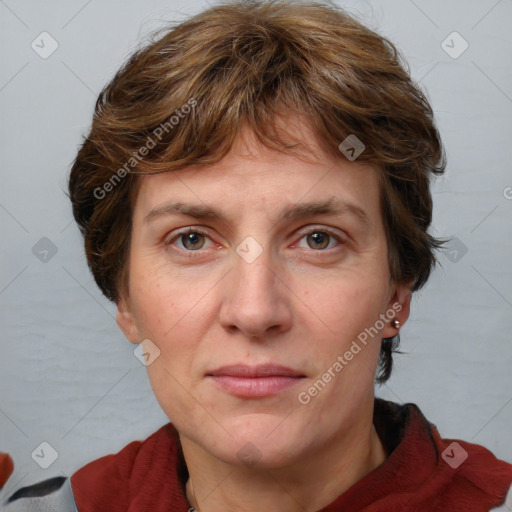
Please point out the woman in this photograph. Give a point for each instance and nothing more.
(254, 197)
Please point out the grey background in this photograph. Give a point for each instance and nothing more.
(68, 376)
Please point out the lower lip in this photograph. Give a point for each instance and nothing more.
(254, 387)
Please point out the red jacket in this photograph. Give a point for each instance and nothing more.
(423, 472)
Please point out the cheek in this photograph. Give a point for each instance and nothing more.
(164, 298)
(174, 325)
(348, 305)
(173, 310)
(348, 308)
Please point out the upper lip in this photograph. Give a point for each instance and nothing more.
(262, 370)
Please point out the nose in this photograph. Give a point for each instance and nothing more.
(255, 298)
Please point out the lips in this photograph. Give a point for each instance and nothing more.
(259, 381)
(263, 370)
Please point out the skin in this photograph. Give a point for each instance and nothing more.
(301, 303)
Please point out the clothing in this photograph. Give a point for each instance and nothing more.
(6, 468)
(421, 473)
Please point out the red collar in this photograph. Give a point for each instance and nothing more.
(424, 472)
(150, 475)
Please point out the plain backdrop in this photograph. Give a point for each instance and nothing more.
(67, 375)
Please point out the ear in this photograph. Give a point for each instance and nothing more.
(399, 307)
(126, 321)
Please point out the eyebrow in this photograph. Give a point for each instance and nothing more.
(331, 206)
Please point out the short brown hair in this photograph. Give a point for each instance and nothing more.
(249, 62)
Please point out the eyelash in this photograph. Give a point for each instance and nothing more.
(202, 232)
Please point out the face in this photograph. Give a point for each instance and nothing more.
(269, 261)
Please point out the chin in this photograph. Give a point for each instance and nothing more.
(258, 455)
(259, 442)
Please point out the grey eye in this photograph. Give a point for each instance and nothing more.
(192, 240)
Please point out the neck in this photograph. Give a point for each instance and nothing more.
(214, 486)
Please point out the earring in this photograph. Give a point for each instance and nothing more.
(396, 324)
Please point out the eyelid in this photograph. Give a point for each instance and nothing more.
(327, 229)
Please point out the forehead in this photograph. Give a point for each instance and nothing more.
(254, 177)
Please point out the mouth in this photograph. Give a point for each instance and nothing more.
(260, 381)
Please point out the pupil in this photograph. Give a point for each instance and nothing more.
(318, 238)
(191, 239)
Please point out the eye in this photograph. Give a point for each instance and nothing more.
(191, 239)
(320, 239)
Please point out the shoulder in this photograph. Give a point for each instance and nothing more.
(104, 479)
(462, 475)
(136, 457)
(115, 478)
(475, 470)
